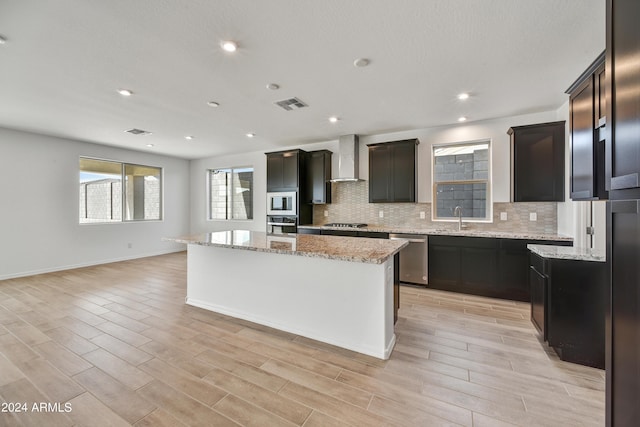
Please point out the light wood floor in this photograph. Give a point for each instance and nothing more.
(118, 343)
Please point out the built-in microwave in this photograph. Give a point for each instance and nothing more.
(282, 203)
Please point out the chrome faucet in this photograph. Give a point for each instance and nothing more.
(458, 212)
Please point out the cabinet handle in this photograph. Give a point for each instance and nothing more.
(625, 206)
(586, 194)
(606, 134)
(409, 240)
(624, 181)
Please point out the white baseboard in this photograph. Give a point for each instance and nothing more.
(87, 264)
(292, 329)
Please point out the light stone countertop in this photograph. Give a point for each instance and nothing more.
(448, 232)
(353, 249)
(568, 252)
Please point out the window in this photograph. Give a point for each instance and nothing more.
(115, 192)
(230, 193)
(461, 179)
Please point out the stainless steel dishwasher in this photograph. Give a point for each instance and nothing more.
(413, 258)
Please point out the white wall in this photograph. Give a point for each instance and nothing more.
(256, 159)
(495, 130)
(39, 228)
(574, 217)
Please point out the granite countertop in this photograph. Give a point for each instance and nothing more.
(448, 232)
(568, 252)
(353, 249)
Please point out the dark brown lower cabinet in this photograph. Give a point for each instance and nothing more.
(308, 231)
(444, 263)
(355, 233)
(346, 233)
(479, 265)
(538, 282)
(483, 266)
(568, 306)
(513, 270)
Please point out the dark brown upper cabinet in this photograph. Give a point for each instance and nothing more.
(318, 176)
(623, 109)
(587, 120)
(537, 162)
(284, 169)
(392, 171)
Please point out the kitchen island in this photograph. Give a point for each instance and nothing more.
(338, 290)
(569, 294)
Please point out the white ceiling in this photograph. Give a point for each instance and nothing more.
(64, 59)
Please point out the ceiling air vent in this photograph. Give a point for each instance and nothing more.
(291, 104)
(135, 131)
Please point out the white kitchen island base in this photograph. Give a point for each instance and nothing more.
(344, 303)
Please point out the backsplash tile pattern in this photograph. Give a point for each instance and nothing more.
(351, 204)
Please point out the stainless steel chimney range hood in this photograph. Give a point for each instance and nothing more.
(348, 159)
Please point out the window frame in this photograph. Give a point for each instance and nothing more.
(123, 193)
(489, 182)
(208, 193)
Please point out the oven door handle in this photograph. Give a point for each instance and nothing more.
(283, 224)
(409, 240)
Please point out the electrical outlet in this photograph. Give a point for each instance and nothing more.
(326, 213)
(533, 216)
(381, 214)
(503, 216)
(129, 245)
(422, 215)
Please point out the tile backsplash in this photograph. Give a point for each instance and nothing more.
(350, 203)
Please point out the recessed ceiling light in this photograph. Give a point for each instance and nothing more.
(333, 119)
(229, 46)
(136, 131)
(462, 96)
(125, 92)
(188, 137)
(462, 119)
(2, 40)
(213, 104)
(149, 145)
(273, 86)
(361, 62)
(251, 135)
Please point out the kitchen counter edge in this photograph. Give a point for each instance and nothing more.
(568, 252)
(351, 249)
(442, 232)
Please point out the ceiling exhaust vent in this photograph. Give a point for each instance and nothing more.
(135, 131)
(291, 104)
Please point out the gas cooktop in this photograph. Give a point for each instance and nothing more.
(346, 224)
